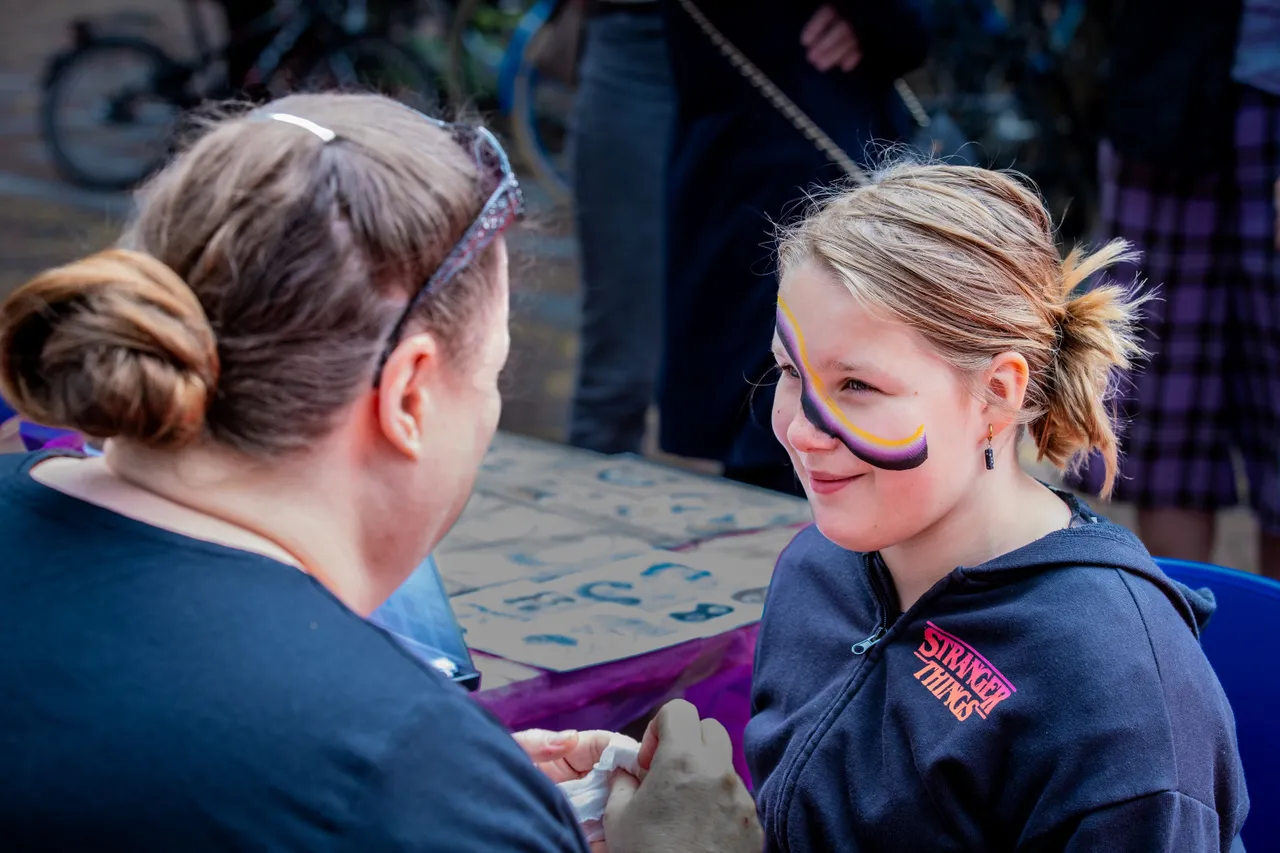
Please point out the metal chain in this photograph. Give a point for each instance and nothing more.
(917, 110)
(776, 96)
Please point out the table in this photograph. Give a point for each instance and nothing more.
(548, 522)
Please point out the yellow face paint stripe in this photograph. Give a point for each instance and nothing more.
(820, 391)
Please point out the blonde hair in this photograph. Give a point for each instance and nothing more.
(966, 257)
(257, 282)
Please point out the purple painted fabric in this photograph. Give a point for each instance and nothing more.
(37, 437)
(1213, 381)
(714, 674)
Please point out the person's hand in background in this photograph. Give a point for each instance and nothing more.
(830, 41)
(563, 756)
(691, 800)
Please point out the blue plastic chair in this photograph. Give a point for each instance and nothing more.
(1240, 643)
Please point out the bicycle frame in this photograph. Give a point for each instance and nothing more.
(288, 25)
(513, 56)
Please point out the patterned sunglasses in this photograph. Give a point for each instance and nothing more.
(505, 205)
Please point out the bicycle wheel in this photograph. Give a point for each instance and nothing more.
(116, 138)
(539, 124)
(373, 63)
(539, 118)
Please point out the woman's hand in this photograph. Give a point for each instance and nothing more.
(563, 756)
(830, 42)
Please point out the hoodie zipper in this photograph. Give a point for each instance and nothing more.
(791, 773)
(882, 610)
(865, 646)
(793, 769)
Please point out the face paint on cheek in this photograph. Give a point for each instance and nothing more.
(825, 415)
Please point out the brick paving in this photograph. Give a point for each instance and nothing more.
(44, 222)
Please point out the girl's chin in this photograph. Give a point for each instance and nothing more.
(852, 536)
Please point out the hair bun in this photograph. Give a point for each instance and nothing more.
(115, 344)
(1097, 336)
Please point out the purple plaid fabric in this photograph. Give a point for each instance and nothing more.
(1212, 386)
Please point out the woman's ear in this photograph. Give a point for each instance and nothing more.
(1006, 383)
(406, 394)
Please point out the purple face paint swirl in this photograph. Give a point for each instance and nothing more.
(825, 415)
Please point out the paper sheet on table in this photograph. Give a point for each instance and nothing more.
(758, 545)
(615, 611)
(533, 559)
(664, 505)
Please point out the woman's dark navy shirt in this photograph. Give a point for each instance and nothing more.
(163, 693)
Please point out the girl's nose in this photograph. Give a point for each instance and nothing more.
(805, 437)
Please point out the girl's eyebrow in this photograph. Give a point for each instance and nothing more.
(828, 365)
(837, 366)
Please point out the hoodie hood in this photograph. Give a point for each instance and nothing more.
(1093, 540)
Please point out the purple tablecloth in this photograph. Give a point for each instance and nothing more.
(714, 674)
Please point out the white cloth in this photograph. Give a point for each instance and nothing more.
(589, 794)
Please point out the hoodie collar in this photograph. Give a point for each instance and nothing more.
(1093, 541)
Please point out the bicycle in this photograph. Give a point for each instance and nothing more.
(311, 45)
(491, 50)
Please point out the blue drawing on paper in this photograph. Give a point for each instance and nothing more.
(550, 640)
(593, 591)
(690, 574)
(630, 627)
(623, 477)
(539, 601)
(750, 596)
(703, 613)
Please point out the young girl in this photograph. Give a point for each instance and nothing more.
(956, 657)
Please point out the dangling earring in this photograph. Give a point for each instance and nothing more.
(990, 454)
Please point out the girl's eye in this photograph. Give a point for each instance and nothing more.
(783, 367)
(856, 385)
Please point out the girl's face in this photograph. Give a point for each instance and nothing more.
(886, 436)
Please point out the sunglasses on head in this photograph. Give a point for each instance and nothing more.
(504, 205)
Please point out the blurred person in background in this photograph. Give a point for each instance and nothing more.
(621, 131)
(738, 166)
(1189, 175)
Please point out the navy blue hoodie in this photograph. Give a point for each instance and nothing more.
(1053, 699)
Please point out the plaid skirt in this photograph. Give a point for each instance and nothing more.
(1211, 388)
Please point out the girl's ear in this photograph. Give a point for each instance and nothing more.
(1006, 382)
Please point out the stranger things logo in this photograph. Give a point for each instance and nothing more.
(958, 676)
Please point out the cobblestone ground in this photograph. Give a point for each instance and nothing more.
(44, 221)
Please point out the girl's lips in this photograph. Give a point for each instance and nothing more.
(825, 484)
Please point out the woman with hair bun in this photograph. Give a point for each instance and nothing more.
(292, 359)
(956, 657)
